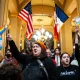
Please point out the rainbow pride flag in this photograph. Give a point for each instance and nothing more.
(0, 43)
(2, 29)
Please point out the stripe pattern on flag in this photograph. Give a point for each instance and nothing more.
(61, 16)
(56, 34)
(26, 15)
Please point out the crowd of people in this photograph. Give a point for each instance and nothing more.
(39, 64)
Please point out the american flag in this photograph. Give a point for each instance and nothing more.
(26, 15)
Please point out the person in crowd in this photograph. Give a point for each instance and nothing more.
(10, 72)
(57, 56)
(49, 54)
(1, 58)
(77, 50)
(9, 58)
(37, 66)
(66, 70)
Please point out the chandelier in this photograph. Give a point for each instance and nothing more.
(42, 35)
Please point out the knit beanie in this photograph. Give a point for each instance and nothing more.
(41, 44)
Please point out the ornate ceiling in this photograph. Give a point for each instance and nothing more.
(43, 10)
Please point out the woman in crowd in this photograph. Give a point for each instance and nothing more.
(37, 66)
(66, 70)
(9, 58)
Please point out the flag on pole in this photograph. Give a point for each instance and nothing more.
(26, 15)
(61, 17)
(56, 35)
(3, 29)
(0, 43)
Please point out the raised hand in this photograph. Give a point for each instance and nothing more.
(76, 34)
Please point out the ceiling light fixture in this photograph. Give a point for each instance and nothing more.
(42, 35)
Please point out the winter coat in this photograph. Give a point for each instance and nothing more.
(32, 69)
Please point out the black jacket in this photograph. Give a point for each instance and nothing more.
(77, 53)
(28, 60)
(71, 72)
